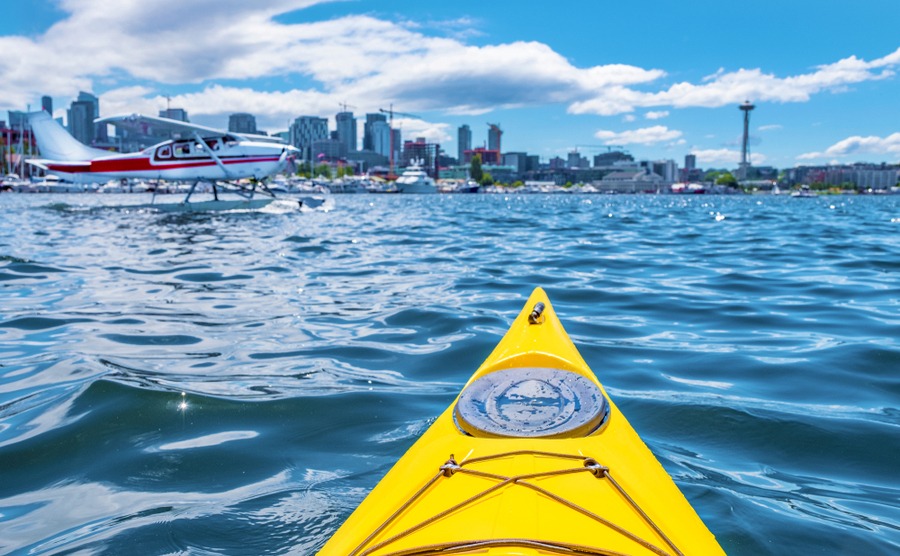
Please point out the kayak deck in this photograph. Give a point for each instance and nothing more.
(589, 488)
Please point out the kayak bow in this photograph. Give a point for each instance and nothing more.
(532, 458)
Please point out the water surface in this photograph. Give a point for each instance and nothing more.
(235, 383)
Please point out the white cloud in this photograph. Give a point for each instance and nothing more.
(857, 145)
(724, 88)
(643, 136)
(220, 48)
(771, 127)
(357, 58)
(710, 157)
(724, 157)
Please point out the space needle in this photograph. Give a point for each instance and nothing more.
(746, 108)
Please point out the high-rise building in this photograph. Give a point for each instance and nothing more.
(81, 115)
(463, 142)
(242, 123)
(81, 121)
(346, 130)
(575, 160)
(17, 119)
(368, 134)
(305, 131)
(666, 169)
(494, 135)
(611, 158)
(179, 114)
(380, 136)
(690, 162)
(47, 104)
(397, 142)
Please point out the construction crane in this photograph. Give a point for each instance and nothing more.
(390, 112)
(344, 106)
(609, 148)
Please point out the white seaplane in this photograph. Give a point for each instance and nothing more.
(196, 154)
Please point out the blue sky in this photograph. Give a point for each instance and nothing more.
(661, 78)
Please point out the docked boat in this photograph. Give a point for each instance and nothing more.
(532, 458)
(415, 180)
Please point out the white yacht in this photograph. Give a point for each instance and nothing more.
(415, 180)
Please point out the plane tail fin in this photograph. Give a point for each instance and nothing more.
(55, 143)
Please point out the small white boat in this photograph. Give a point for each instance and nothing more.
(804, 191)
(415, 180)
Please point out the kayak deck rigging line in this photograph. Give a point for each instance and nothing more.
(450, 468)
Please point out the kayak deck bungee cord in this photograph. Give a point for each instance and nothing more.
(532, 458)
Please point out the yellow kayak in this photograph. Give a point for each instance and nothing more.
(532, 458)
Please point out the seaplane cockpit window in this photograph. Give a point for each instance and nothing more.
(201, 150)
(182, 150)
(164, 152)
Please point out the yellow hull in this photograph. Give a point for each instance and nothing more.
(548, 481)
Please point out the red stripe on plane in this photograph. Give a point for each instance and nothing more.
(144, 164)
(70, 168)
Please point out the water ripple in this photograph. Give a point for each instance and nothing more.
(232, 383)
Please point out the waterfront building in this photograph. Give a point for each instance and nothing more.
(372, 120)
(862, 176)
(632, 181)
(14, 140)
(242, 123)
(463, 141)
(346, 130)
(305, 131)
(47, 104)
(365, 160)
(516, 160)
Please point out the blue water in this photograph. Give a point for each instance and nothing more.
(235, 383)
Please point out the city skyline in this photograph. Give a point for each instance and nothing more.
(823, 78)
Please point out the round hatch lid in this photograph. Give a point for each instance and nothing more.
(531, 402)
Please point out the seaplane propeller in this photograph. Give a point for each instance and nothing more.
(288, 161)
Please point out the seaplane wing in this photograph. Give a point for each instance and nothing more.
(196, 153)
(149, 125)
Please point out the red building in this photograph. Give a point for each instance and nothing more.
(488, 156)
